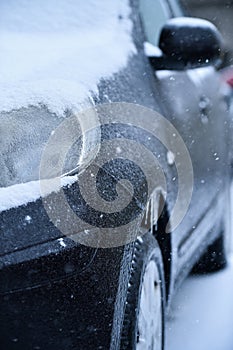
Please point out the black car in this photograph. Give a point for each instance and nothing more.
(107, 205)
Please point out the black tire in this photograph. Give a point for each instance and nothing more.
(146, 250)
(214, 259)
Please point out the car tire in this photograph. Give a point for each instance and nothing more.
(145, 297)
(214, 259)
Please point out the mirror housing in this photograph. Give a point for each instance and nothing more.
(187, 43)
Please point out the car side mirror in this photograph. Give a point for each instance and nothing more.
(186, 43)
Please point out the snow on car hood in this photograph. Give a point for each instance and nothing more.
(52, 57)
(54, 52)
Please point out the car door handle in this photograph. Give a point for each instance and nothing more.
(204, 108)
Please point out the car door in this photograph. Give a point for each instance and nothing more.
(193, 104)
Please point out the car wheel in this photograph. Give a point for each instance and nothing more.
(143, 325)
(214, 259)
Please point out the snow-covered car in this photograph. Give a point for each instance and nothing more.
(101, 101)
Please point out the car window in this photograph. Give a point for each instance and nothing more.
(154, 14)
(177, 7)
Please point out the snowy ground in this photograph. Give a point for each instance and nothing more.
(202, 313)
